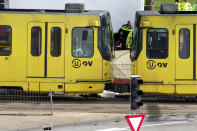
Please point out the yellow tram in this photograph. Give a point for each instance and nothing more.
(65, 50)
(165, 51)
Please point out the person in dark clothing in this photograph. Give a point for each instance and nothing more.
(123, 33)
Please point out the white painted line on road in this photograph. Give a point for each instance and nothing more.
(179, 122)
(114, 129)
(127, 129)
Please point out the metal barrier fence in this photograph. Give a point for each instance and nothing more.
(18, 102)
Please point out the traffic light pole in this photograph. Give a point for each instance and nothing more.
(135, 92)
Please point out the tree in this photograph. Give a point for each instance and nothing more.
(149, 5)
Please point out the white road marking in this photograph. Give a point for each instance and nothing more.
(179, 122)
(127, 129)
(114, 129)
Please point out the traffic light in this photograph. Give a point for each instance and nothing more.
(136, 92)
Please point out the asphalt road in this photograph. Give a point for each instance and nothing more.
(100, 114)
(164, 123)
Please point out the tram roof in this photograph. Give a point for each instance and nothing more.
(140, 14)
(61, 12)
(155, 13)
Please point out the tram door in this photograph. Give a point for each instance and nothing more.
(45, 56)
(185, 63)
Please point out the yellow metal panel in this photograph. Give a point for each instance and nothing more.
(186, 82)
(35, 64)
(21, 64)
(55, 65)
(34, 86)
(148, 88)
(184, 67)
(90, 68)
(176, 68)
(84, 88)
(94, 23)
(186, 90)
(161, 70)
(107, 70)
(146, 24)
(45, 87)
(166, 89)
(158, 89)
(24, 85)
(13, 67)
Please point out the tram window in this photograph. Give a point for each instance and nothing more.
(104, 42)
(137, 46)
(157, 43)
(184, 43)
(36, 41)
(82, 42)
(5, 40)
(56, 41)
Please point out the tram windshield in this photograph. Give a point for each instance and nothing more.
(137, 46)
(157, 43)
(105, 37)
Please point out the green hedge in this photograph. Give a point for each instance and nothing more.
(159, 2)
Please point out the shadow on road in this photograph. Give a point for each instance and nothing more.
(153, 112)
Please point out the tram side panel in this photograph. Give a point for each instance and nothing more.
(41, 72)
(84, 66)
(168, 66)
(155, 63)
(186, 83)
(13, 51)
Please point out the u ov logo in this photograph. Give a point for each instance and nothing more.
(76, 63)
(151, 64)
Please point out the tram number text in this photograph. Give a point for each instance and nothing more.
(76, 63)
(152, 64)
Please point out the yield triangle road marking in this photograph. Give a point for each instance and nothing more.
(135, 121)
